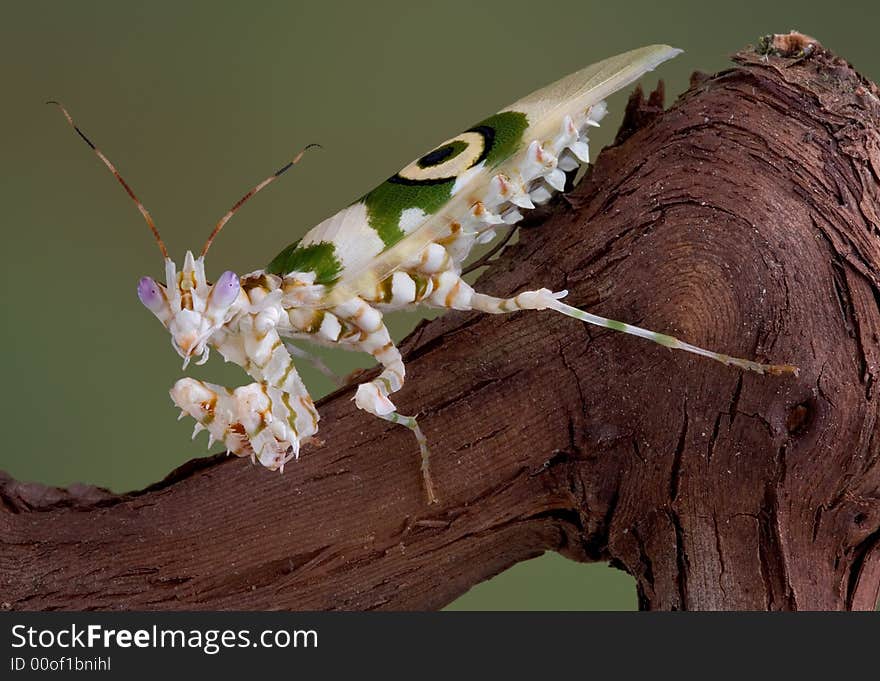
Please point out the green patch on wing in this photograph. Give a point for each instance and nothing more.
(319, 258)
(507, 130)
(503, 135)
(386, 203)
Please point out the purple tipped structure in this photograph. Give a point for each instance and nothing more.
(150, 294)
(225, 291)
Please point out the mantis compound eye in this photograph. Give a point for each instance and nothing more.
(225, 291)
(151, 295)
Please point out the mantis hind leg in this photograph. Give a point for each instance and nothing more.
(670, 341)
(452, 292)
(411, 423)
(373, 396)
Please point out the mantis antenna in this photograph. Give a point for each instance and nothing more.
(238, 204)
(116, 174)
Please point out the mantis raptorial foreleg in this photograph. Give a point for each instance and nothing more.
(267, 419)
(256, 420)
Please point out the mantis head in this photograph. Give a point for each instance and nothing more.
(189, 307)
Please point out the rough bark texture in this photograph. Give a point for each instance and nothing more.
(745, 218)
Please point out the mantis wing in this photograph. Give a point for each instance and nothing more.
(419, 205)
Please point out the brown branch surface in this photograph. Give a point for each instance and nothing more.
(745, 218)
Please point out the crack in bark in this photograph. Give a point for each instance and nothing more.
(675, 472)
(720, 557)
(860, 565)
(681, 561)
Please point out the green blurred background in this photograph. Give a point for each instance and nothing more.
(195, 102)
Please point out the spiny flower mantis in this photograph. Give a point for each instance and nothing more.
(401, 245)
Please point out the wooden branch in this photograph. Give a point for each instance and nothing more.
(745, 219)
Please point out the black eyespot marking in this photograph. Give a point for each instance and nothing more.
(435, 157)
(413, 182)
(446, 162)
